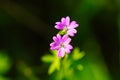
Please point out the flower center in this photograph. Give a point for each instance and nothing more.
(65, 29)
(61, 45)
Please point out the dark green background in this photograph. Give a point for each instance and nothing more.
(27, 27)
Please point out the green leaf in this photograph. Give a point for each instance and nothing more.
(54, 66)
(77, 54)
(47, 58)
(54, 52)
(53, 59)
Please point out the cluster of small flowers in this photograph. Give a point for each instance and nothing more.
(62, 39)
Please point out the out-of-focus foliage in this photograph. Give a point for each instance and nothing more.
(118, 5)
(65, 67)
(77, 54)
(27, 27)
(3, 78)
(26, 72)
(5, 65)
(54, 60)
(73, 67)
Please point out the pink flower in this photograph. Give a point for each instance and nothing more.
(67, 26)
(61, 44)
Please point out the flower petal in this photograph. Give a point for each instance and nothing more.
(57, 23)
(59, 36)
(55, 38)
(61, 52)
(68, 48)
(54, 48)
(64, 38)
(69, 32)
(67, 20)
(63, 20)
(57, 27)
(73, 24)
(74, 30)
(52, 44)
(67, 41)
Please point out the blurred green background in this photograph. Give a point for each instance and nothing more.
(27, 27)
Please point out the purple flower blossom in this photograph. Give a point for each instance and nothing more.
(61, 44)
(67, 26)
